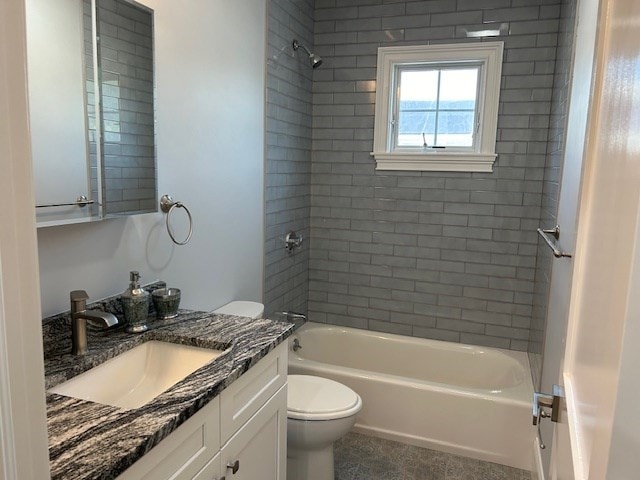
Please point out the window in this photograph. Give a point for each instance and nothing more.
(437, 107)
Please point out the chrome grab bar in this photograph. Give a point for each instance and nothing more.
(546, 236)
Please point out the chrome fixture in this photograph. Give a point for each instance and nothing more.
(293, 316)
(546, 236)
(314, 60)
(542, 401)
(292, 241)
(79, 317)
(295, 346)
(167, 205)
(81, 201)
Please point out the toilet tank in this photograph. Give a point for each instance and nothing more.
(241, 308)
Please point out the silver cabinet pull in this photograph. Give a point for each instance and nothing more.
(546, 236)
(235, 466)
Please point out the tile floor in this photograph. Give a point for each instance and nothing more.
(360, 457)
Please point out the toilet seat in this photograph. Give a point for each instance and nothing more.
(317, 398)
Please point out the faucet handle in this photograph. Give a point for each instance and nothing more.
(78, 296)
(78, 300)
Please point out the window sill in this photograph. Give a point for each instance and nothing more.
(435, 162)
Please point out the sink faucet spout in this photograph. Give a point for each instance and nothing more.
(79, 317)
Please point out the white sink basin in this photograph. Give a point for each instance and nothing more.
(137, 376)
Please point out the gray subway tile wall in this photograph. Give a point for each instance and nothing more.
(551, 184)
(288, 154)
(441, 255)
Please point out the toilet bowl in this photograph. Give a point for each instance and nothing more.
(319, 412)
(239, 308)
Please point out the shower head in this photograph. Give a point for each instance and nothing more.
(314, 60)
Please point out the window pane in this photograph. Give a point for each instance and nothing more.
(418, 89)
(458, 89)
(411, 126)
(455, 128)
(416, 113)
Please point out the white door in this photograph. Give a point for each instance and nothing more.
(23, 428)
(568, 208)
(592, 301)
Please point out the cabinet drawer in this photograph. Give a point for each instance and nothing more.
(184, 452)
(246, 395)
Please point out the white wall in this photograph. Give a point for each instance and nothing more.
(210, 61)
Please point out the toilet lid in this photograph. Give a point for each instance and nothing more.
(316, 398)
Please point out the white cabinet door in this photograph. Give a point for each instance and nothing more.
(184, 452)
(246, 395)
(211, 470)
(258, 449)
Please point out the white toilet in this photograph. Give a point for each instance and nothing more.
(319, 412)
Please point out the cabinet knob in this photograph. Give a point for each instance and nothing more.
(235, 466)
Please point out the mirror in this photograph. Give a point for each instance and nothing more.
(93, 148)
(125, 75)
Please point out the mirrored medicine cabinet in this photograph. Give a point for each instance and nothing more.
(91, 95)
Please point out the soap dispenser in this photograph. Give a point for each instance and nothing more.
(135, 302)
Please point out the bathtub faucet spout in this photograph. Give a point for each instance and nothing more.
(292, 317)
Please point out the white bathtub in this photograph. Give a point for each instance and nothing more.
(468, 400)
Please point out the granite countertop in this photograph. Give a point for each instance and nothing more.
(92, 441)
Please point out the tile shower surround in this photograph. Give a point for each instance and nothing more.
(288, 156)
(449, 256)
(551, 184)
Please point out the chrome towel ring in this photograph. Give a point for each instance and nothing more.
(167, 205)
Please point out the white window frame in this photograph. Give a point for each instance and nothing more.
(478, 159)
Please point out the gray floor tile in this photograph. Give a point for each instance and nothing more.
(360, 457)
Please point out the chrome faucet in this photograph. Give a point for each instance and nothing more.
(79, 317)
(293, 316)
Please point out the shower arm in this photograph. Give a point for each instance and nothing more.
(297, 45)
